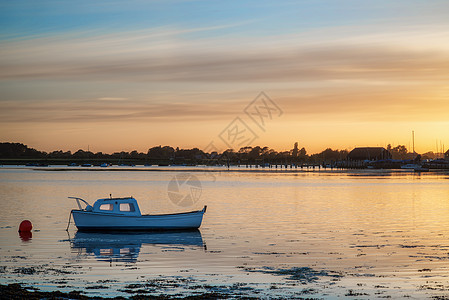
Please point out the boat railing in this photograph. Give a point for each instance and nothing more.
(78, 202)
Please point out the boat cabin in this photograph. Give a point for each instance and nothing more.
(122, 206)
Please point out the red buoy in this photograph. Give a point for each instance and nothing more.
(25, 226)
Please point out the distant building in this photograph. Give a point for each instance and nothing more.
(369, 153)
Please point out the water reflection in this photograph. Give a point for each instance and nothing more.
(25, 236)
(125, 247)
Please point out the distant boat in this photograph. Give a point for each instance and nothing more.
(410, 166)
(86, 165)
(415, 167)
(104, 165)
(421, 169)
(124, 214)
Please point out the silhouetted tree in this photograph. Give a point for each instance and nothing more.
(191, 154)
(302, 155)
(245, 150)
(399, 152)
(429, 155)
(18, 150)
(295, 150)
(329, 155)
(60, 154)
(254, 153)
(82, 154)
(159, 152)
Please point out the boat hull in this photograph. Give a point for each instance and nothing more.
(94, 221)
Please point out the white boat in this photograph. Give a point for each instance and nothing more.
(415, 167)
(410, 166)
(111, 214)
(421, 169)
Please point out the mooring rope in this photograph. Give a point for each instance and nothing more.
(68, 224)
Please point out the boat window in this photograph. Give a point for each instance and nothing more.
(106, 251)
(126, 207)
(106, 207)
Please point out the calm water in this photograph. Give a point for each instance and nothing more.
(365, 233)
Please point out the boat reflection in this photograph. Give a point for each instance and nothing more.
(125, 247)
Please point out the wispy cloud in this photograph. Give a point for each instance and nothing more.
(112, 99)
(164, 55)
(365, 73)
(114, 111)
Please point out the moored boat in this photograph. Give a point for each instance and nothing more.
(410, 166)
(111, 214)
(415, 167)
(421, 169)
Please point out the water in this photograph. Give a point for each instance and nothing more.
(324, 234)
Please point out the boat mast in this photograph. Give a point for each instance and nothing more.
(413, 141)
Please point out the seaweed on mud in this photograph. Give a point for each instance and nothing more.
(211, 292)
(59, 281)
(425, 270)
(17, 291)
(367, 246)
(380, 287)
(309, 291)
(435, 287)
(40, 270)
(57, 271)
(139, 291)
(26, 271)
(96, 287)
(106, 280)
(241, 286)
(411, 246)
(351, 293)
(154, 285)
(19, 256)
(301, 274)
(363, 275)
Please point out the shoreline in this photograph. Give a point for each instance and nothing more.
(22, 291)
(214, 169)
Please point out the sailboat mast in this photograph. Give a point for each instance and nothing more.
(413, 141)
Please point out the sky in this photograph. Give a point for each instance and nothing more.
(130, 75)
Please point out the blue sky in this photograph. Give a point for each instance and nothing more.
(27, 18)
(75, 71)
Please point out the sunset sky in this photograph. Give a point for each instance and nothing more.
(125, 75)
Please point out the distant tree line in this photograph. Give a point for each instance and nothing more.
(170, 155)
(401, 152)
(17, 150)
